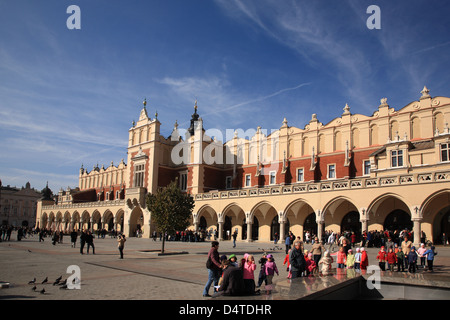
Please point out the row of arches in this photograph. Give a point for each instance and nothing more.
(386, 212)
(75, 220)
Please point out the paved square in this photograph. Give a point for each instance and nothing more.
(142, 274)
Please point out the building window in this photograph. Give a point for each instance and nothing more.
(331, 171)
(248, 180)
(366, 169)
(273, 177)
(445, 152)
(396, 158)
(183, 181)
(300, 176)
(139, 175)
(229, 182)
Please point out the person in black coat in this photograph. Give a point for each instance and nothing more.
(233, 281)
(90, 242)
(82, 241)
(73, 238)
(297, 260)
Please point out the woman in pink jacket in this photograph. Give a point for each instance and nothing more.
(248, 268)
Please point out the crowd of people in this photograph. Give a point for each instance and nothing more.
(231, 277)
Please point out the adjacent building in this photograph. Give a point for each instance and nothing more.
(387, 170)
(18, 205)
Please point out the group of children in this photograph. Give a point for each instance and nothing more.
(248, 266)
(395, 256)
(349, 260)
(357, 261)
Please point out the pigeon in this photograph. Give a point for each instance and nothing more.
(29, 250)
(59, 279)
(32, 281)
(45, 280)
(34, 288)
(63, 283)
(42, 291)
(64, 286)
(56, 282)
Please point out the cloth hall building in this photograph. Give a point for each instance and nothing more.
(389, 170)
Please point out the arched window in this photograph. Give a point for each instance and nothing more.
(415, 128)
(373, 134)
(321, 144)
(338, 141)
(438, 122)
(305, 146)
(393, 132)
(355, 138)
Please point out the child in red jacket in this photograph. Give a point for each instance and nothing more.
(341, 258)
(381, 257)
(391, 259)
(288, 266)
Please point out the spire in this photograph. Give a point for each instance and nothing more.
(346, 109)
(425, 93)
(143, 115)
(195, 117)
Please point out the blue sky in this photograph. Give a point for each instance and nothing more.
(68, 97)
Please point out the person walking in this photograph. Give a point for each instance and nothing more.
(214, 267)
(90, 242)
(73, 238)
(317, 250)
(121, 244)
(82, 241)
(234, 238)
(297, 260)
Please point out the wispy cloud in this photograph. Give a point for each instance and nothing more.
(302, 27)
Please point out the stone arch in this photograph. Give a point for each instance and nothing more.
(85, 220)
(96, 220)
(119, 219)
(211, 217)
(136, 221)
(59, 221)
(435, 213)
(51, 221)
(43, 220)
(382, 206)
(108, 220)
(296, 213)
(67, 221)
(336, 210)
(234, 215)
(76, 220)
(262, 215)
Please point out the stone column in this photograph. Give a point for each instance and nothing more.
(249, 232)
(282, 221)
(320, 223)
(220, 221)
(249, 221)
(417, 230)
(416, 218)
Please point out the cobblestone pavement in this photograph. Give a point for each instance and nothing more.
(142, 274)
